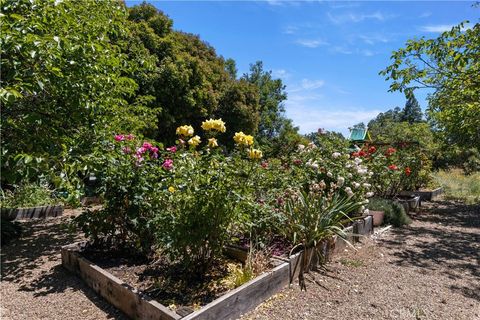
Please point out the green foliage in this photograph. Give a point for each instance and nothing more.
(28, 195)
(412, 112)
(449, 66)
(394, 212)
(131, 185)
(55, 68)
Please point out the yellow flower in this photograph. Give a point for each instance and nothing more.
(194, 141)
(217, 125)
(212, 143)
(255, 154)
(241, 138)
(171, 189)
(185, 131)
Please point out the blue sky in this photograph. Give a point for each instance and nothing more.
(327, 53)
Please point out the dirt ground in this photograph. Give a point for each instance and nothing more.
(428, 270)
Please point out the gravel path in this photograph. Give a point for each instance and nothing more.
(429, 270)
(34, 284)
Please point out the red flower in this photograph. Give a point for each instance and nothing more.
(372, 149)
(355, 154)
(408, 171)
(264, 164)
(392, 167)
(362, 153)
(297, 162)
(390, 151)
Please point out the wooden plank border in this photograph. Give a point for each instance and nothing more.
(229, 306)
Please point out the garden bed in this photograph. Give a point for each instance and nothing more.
(32, 213)
(425, 195)
(230, 305)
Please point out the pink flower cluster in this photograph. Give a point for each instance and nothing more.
(122, 137)
(147, 147)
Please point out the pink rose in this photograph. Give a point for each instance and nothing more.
(172, 149)
(141, 151)
(119, 137)
(147, 145)
(168, 164)
(154, 149)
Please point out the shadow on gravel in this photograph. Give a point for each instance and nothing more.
(23, 263)
(437, 246)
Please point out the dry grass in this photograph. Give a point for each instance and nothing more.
(459, 186)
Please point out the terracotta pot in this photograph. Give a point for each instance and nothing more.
(377, 217)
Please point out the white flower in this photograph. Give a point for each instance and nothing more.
(358, 161)
(336, 155)
(366, 201)
(369, 194)
(349, 175)
(370, 173)
(348, 165)
(340, 181)
(356, 185)
(367, 185)
(349, 192)
(362, 171)
(366, 211)
(300, 147)
(312, 145)
(362, 208)
(329, 174)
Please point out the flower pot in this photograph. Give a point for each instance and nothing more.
(378, 217)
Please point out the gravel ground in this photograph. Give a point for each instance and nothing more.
(35, 286)
(429, 270)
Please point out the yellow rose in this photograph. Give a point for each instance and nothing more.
(185, 131)
(171, 189)
(212, 143)
(255, 154)
(194, 141)
(217, 125)
(241, 138)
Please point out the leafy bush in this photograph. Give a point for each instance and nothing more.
(28, 195)
(394, 212)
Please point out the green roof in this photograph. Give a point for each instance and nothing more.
(359, 134)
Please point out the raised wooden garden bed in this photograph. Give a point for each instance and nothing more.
(231, 305)
(32, 213)
(425, 195)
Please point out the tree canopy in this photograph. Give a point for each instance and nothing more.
(449, 66)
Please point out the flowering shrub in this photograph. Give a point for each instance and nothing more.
(395, 169)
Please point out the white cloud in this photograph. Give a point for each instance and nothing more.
(290, 29)
(425, 14)
(311, 43)
(281, 73)
(340, 49)
(367, 53)
(312, 84)
(357, 17)
(309, 118)
(372, 39)
(439, 28)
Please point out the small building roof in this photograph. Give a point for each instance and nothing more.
(359, 134)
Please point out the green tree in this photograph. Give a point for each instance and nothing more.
(66, 81)
(412, 111)
(449, 66)
(272, 96)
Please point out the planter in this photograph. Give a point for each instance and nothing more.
(410, 204)
(33, 212)
(231, 305)
(378, 217)
(425, 195)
